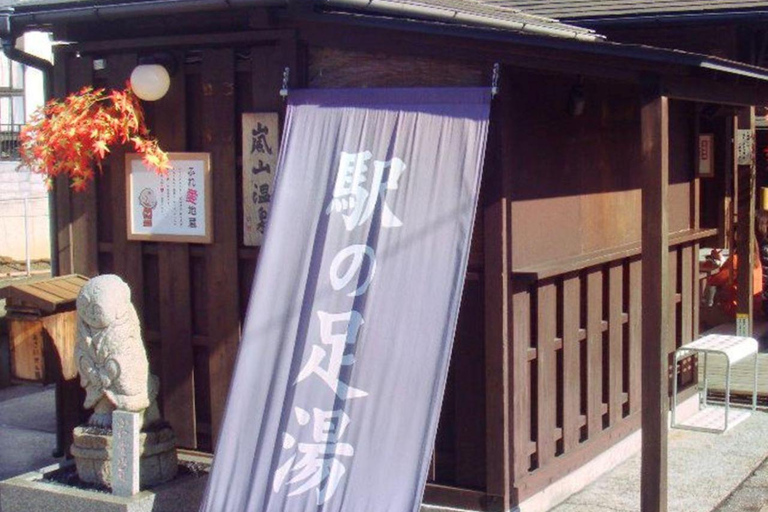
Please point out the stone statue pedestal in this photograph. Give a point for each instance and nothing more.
(92, 449)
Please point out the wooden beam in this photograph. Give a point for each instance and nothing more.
(745, 207)
(655, 300)
(180, 41)
(706, 90)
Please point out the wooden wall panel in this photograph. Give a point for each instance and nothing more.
(576, 177)
(218, 79)
(332, 68)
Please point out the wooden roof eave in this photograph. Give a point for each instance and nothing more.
(680, 75)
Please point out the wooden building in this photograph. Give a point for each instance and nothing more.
(591, 154)
(734, 29)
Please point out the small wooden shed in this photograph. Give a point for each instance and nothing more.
(583, 275)
(42, 326)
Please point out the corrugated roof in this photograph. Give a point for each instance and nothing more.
(469, 12)
(579, 10)
(21, 4)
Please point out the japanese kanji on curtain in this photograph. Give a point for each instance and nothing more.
(337, 390)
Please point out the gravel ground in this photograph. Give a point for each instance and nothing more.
(751, 495)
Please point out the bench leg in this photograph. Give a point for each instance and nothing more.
(727, 390)
(754, 387)
(674, 392)
(704, 404)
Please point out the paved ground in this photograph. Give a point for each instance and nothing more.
(27, 428)
(721, 473)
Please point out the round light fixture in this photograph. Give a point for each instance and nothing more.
(150, 82)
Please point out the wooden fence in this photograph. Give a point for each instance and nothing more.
(577, 349)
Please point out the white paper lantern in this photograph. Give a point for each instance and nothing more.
(150, 82)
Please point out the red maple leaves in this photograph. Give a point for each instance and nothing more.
(73, 136)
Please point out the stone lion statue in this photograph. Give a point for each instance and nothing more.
(110, 354)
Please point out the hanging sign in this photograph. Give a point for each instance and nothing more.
(260, 151)
(745, 146)
(706, 156)
(742, 325)
(337, 389)
(170, 207)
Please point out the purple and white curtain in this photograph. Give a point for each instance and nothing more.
(338, 385)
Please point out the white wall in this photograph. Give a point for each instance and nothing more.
(18, 184)
(38, 44)
(15, 187)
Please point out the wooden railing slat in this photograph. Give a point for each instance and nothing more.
(673, 295)
(635, 334)
(546, 325)
(686, 293)
(521, 384)
(594, 367)
(571, 363)
(615, 342)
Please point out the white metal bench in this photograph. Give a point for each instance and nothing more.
(735, 349)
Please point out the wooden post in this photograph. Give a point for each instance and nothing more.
(84, 239)
(127, 258)
(61, 191)
(221, 264)
(496, 291)
(745, 207)
(655, 300)
(177, 379)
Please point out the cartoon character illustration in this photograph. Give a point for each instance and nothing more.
(148, 200)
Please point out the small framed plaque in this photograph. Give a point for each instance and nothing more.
(171, 207)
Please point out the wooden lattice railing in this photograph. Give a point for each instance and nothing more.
(576, 355)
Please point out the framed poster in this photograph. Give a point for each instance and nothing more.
(260, 151)
(172, 207)
(706, 155)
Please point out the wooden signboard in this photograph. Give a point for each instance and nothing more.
(173, 207)
(260, 151)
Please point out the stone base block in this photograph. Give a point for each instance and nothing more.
(92, 450)
(27, 493)
(30, 493)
